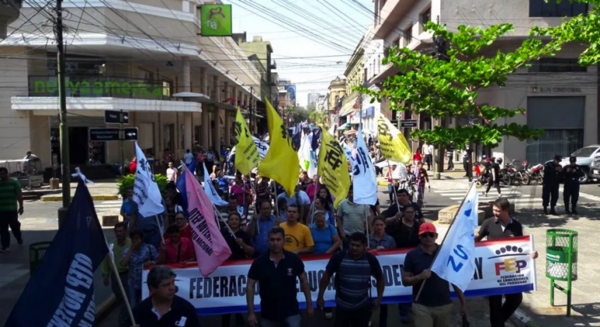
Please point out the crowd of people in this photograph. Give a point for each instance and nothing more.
(272, 228)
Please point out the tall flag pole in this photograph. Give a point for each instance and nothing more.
(61, 290)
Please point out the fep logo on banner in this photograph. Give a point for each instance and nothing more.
(512, 265)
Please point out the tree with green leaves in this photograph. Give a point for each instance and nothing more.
(447, 85)
(583, 29)
(318, 117)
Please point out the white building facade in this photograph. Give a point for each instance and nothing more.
(560, 96)
(114, 65)
(372, 66)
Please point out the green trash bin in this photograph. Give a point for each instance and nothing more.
(561, 261)
(36, 253)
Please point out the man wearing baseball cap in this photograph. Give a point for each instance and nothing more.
(433, 307)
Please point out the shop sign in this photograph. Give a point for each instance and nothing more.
(216, 20)
(546, 89)
(408, 123)
(100, 88)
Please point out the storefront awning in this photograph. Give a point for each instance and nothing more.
(49, 105)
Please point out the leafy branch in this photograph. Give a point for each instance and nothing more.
(449, 87)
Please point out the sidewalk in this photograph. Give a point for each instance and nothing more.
(14, 267)
(536, 309)
(102, 190)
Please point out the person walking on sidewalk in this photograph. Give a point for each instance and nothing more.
(571, 193)
(494, 172)
(465, 160)
(428, 153)
(10, 195)
(450, 155)
(433, 308)
(552, 171)
(277, 273)
(502, 225)
(353, 269)
(118, 246)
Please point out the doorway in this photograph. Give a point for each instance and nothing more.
(78, 145)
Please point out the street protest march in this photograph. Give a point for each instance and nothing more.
(501, 267)
(215, 282)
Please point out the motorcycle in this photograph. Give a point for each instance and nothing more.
(525, 178)
(511, 175)
(507, 174)
(536, 173)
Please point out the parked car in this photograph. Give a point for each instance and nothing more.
(585, 157)
(595, 168)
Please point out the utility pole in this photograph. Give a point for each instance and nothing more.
(64, 129)
(121, 138)
(250, 110)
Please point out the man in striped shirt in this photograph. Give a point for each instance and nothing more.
(353, 270)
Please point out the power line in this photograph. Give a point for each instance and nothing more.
(266, 13)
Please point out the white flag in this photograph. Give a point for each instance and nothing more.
(145, 191)
(304, 152)
(211, 191)
(364, 181)
(262, 146)
(454, 261)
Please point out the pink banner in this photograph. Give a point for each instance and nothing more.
(211, 248)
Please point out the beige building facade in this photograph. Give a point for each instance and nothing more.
(560, 96)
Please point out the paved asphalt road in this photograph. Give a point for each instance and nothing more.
(442, 194)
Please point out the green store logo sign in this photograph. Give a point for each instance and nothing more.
(100, 88)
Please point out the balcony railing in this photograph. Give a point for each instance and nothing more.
(99, 86)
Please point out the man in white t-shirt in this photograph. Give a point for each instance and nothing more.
(428, 153)
(188, 157)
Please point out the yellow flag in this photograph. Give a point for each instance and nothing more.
(281, 162)
(393, 144)
(246, 153)
(333, 168)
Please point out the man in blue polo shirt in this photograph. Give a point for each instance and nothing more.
(277, 273)
(259, 227)
(433, 307)
(353, 270)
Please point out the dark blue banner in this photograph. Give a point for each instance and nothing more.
(61, 291)
(182, 187)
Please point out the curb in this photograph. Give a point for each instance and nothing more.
(105, 307)
(382, 183)
(102, 197)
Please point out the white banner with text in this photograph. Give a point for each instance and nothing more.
(502, 267)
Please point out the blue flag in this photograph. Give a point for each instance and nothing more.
(181, 185)
(61, 291)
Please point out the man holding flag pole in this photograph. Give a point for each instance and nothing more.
(431, 267)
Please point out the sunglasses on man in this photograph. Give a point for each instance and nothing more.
(427, 235)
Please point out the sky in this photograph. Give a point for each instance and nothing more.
(313, 41)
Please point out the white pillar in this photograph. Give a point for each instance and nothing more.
(187, 82)
(216, 142)
(205, 129)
